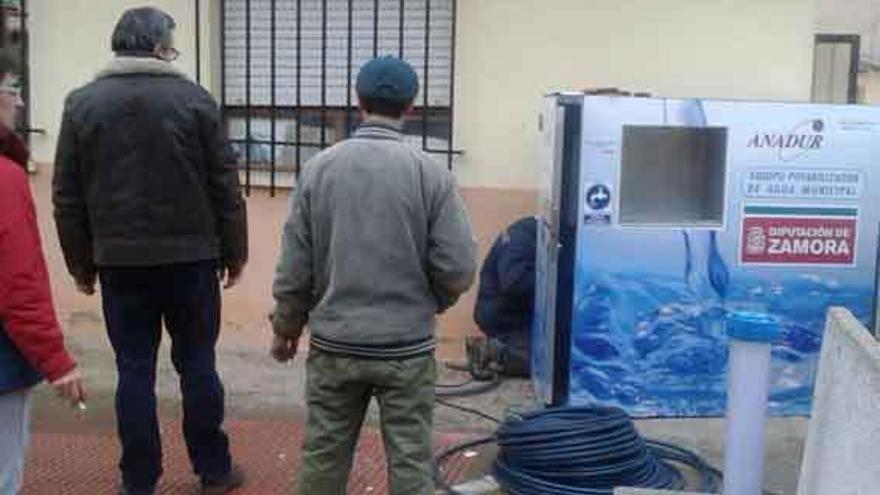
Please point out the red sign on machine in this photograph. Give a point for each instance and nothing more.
(793, 235)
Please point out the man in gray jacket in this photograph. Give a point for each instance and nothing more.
(378, 243)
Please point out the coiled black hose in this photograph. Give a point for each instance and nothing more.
(584, 451)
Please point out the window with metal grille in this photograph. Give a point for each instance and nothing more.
(14, 41)
(289, 69)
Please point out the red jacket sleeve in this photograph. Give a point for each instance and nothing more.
(26, 307)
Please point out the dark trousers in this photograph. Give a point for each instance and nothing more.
(186, 298)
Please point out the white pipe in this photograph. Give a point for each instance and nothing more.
(748, 389)
(748, 392)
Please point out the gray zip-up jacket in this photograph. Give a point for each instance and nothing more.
(378, 242)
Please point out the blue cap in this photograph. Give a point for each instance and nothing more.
(389, 78)
(752, 326)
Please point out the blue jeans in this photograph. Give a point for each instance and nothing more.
(186, 298)
(14, 424)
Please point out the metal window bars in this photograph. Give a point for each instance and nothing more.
(289, 66)
(14, 39)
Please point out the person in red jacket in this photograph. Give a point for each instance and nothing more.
(31, 344)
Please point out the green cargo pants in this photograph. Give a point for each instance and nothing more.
(338, 391)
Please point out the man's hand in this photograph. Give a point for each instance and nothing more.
(284, 348)
(231, 275)
(70, 387)
(86, 286)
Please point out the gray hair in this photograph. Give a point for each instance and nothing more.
(142, 29)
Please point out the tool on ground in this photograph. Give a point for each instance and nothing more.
(483, 365)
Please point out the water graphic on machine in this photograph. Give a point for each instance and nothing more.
(660, 216)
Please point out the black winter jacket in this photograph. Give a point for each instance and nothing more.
(144, 175)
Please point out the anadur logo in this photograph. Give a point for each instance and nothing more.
(805, 137)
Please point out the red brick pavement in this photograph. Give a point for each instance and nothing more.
(85, 463)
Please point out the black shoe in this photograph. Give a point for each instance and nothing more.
(480, 358)
(509, 360)
(220, 485)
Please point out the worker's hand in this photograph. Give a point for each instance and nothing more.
(231, 275)
(86, 286)
(284, 348)
(70, 387)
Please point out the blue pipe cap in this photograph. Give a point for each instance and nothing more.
(751, 326)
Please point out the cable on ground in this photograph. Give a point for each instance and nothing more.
(581, 451)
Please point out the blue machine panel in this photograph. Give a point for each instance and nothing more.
(688, 209)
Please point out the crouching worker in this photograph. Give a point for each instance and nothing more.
(505, 301)
(377, 244)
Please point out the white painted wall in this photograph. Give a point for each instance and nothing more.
(510, 52)
(841, 452)
(861, 17)
(869, 87)
(70, 42)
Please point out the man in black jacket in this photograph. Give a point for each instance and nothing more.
(147, 200)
